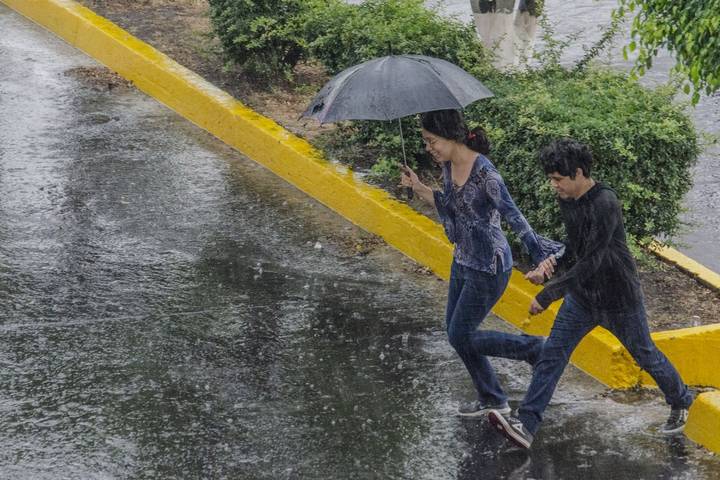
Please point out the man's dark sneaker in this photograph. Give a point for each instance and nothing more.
(476, 409)
(512, 428)
(676, 421)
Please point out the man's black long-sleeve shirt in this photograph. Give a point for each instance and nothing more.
(601, 272)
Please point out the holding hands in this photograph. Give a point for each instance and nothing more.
(536, 277)
(544, 271)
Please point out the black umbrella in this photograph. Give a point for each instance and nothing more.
(395, 86)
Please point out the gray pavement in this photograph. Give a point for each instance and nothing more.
(169, 309)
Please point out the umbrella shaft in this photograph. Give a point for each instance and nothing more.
(402, 142)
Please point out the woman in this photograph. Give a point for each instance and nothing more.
(473, 199)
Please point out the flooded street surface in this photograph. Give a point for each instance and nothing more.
(169, 309)
(588, 18)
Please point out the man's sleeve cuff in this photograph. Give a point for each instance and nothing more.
(544, 299)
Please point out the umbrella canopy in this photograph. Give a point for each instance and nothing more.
(395, 86)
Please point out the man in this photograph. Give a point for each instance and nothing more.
(600, 287)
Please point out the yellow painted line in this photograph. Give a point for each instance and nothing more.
(296, 161)
(703, 424)
(687, 264)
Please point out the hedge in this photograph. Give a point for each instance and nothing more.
(644, 144)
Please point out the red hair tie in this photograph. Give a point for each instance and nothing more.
(471, 135)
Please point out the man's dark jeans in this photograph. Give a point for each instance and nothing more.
(572, 323)
(471, 296)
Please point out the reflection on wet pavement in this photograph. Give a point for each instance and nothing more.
(169, 309)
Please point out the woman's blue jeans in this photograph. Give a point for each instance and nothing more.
(471, 295)
(572, 323)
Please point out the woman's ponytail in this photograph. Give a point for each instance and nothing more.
(477, 140)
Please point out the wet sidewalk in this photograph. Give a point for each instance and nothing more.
(169, 309)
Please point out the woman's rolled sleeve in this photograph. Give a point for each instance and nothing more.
(538, 247)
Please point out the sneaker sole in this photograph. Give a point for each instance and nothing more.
(485, 411)
(502, 426)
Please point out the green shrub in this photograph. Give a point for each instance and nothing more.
(341, 35)
(262, 36)
(642, 143)
(268, 37)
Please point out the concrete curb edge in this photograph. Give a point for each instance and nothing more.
(703, 274)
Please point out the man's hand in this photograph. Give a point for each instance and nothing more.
(536, 308)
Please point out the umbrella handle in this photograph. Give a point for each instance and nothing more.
(408, 190)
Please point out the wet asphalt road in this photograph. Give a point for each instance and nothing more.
(168, 309)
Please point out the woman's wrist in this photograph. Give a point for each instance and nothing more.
(419, 187)
(424, 192)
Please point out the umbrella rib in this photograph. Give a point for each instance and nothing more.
(434, 72)
(344, 81)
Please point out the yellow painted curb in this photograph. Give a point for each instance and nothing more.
(296, 161)
(703, 274)
(703, 424)
(695, 352)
